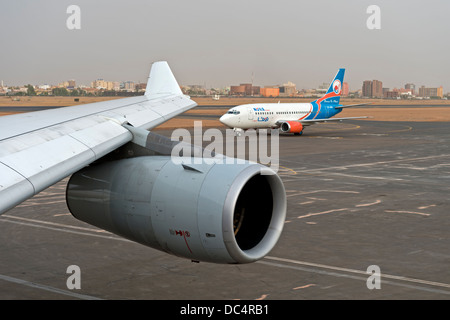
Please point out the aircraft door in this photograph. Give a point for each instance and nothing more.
(250, 113)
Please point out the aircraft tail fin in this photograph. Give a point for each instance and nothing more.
(334, 92)
(161, 81)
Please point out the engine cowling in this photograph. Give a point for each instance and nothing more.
(291, 127)
(222, 213)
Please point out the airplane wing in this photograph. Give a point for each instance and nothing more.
(353, 105)
(310, 122)
(38, 149)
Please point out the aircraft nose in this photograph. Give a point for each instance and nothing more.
(225, 120)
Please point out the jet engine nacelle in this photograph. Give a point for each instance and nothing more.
(218, 213)
(291, 127)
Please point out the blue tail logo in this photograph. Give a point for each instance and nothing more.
(332, 97)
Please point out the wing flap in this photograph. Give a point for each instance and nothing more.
(149, 114)
(14, 188)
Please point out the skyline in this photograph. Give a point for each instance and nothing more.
(226, 43)
(134, 83)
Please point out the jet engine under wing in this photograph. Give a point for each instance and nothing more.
(38, 149)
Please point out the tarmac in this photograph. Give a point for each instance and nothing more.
(362, 196)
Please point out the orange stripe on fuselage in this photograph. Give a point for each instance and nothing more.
(329, 95)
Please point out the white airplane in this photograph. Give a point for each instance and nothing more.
(123, 179)
(289, 117)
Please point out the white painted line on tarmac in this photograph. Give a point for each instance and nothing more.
(344, 272)
(47, 288)
(278, 262)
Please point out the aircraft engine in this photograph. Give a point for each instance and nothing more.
(291, 127)
(222, 213)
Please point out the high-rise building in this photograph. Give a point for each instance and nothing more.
(411, 86)
(377, 89)
(372, 89)
(367, 89)
(345, 89)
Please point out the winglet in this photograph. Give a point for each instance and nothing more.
(162, 81)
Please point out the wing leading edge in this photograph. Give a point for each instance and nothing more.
(38, 149)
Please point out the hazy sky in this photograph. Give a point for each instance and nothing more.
(220, 43)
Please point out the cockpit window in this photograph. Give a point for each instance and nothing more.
(233, 112)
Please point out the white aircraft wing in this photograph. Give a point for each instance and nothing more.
(38, 149)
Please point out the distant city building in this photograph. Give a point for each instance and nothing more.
(99, 84)
(372, 89)
(323, 88)
(367, 89)
(141, 86)
(345, 89)
(377, 89)
(270, 92)
(288, 89)
(244, 89)
(129, 86)
(431, 92)
(106, 85)
(412, 87)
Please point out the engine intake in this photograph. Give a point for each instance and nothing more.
(291, 127)
(222, 213)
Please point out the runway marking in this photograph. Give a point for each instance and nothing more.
(368, 204)
(363, 177)
(371, 163)
(289, 169)
(300, 193)
(53, 223)
(48, 288)
(29, 224)
(412, 212)
(320, 213)
(318, 199)
(408, 128)
(323, 137)
(304, 287)
(426, 207)
(343, 272)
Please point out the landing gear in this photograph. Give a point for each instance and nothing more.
(238, 131)
(298, 133)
